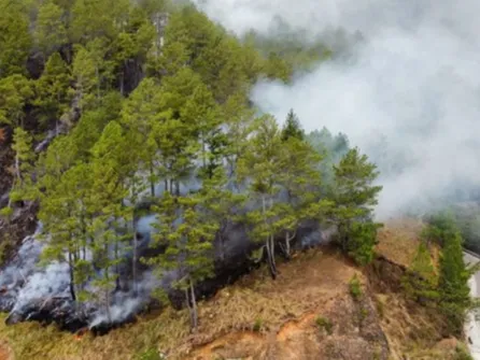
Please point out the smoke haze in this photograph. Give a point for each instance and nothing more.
(409, 96)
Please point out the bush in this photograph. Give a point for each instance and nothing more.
(355, 288)
(461, 353)
(363, 314)
(150, 354)
(324, 323)
(258, 325)
(362, 241)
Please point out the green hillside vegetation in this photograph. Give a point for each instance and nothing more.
(135, 104)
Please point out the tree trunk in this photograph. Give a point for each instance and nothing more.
(268, 243)
(152, 183)
(72, 280)
(134, 265)
(272, 255)
(203, 155)
(177, 187)
(17, 168)
(117, 268)
(194, 307)
(107, 297)
(270, 258)
(189, 307)
(222, 246)
(288, 239)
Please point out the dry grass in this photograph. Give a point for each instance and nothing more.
(308, 281)
(398, 240)
(248, 313)
(32, 341)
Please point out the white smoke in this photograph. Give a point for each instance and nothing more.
(44, 284)
(414, 83)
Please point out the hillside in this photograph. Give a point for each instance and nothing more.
(310, 312)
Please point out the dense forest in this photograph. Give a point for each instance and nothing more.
(113, 110)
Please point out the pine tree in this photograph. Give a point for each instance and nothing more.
(453, 283)
(65, 218)
(301, 183)
(50, 32)
(139, 115)
(260, 167)
(292, 127)
(15, 94)
(85, 74)
(201, 113)
(188, 234)
(15, 41)
(108, 192)
(355, 196)
(239, 120)
(97, 18)
(420, 281)
(24, 157)
(53, 91)
(224, 206)
(277, 68)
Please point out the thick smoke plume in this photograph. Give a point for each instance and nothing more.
(408, 95)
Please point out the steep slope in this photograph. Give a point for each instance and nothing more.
(313, 311)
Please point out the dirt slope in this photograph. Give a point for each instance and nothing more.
(308, 313)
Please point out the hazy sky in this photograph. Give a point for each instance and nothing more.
(415, 80)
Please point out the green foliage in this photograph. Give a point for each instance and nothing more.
(363, 238)
(462, 353)
(453, 283)
(24, 163)
(258, 325)
(131, 107)
(324, 323)
(355, 287)
(292, 127)
(15, 93)
(355, 196)
(15, 39)
(53, 91)
(51, 32)
(421, 280)
(150, 354)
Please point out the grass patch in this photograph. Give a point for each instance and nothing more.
(326, 324)
(150, 354)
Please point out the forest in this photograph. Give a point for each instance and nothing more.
(114, 110)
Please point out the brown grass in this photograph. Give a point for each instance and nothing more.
(399, 239)
(305, 283)
(250, 313)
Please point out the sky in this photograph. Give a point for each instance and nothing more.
(409, 95)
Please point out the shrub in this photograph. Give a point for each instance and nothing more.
(363, 314)
(150, 354)
(324, 323)
(461, 353)
(258, 325)
(355, 288)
